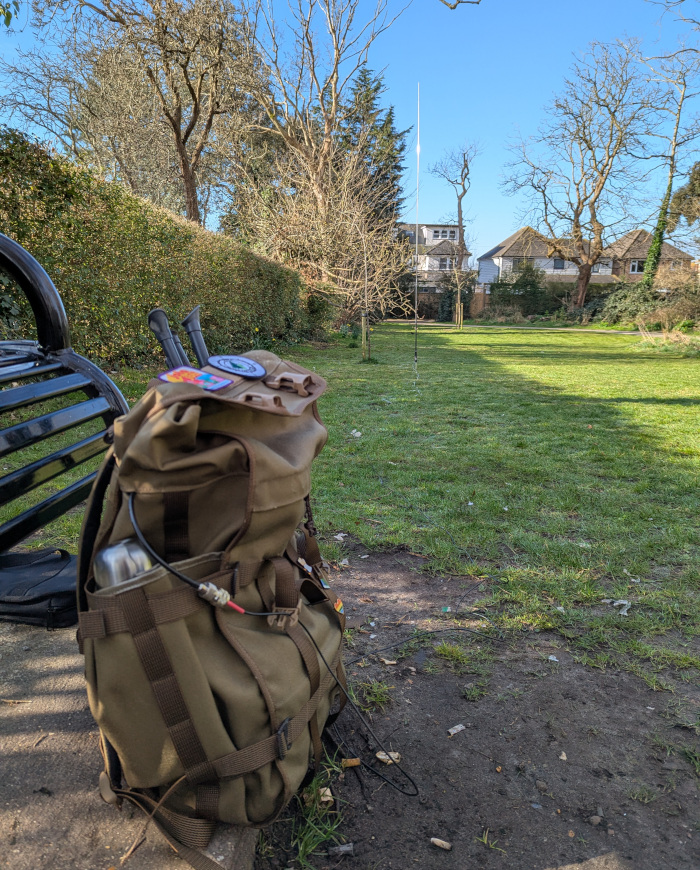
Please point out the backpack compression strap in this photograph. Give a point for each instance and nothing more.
(188, 836)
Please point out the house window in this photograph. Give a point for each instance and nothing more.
(436, 234)
(445, 263)
(559, 264)
(453, 234)
(443, 234)
(521, 261)
(596, 268)
(424, 289)
(636, 267)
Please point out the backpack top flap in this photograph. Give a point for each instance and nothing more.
(226, 464)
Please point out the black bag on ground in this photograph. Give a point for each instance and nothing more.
(38, 588)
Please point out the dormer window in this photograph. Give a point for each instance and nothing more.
(436, 234)
(443, 234)
(453, 234)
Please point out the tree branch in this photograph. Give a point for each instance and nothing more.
(455, 3)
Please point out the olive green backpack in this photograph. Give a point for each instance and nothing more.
(212, 709)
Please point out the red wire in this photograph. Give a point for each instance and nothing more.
(235, 607)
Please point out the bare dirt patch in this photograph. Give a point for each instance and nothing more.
(558, 765)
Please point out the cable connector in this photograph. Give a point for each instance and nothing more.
(213, 594)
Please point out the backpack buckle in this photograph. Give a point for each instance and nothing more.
(284, 618)
(283, 742)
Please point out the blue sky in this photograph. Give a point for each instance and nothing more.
(486, 73)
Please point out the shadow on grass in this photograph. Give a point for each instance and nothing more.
(477, 452)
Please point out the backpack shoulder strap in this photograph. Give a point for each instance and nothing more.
(91, 524)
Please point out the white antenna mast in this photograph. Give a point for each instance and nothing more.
(415, 299)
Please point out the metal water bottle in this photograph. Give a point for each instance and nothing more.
(120, 562)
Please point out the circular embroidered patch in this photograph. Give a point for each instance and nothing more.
(238, 365)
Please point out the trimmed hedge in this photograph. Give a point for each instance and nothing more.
(114, 257)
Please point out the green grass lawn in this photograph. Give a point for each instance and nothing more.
(576, 451)
(562, 466)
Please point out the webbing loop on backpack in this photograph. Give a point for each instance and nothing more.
(186, 834)
(176, 536)
(164, 683)
(107, 617)
(91, 523)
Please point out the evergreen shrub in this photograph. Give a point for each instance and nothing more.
(114, 257)
(627, 303)
(450, 285)
(525, 289)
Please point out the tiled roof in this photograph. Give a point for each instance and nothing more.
(635, 245)
(526, 242)
(445, 248)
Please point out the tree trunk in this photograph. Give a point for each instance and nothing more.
(191, 201)
(584, 277)
(651, 264)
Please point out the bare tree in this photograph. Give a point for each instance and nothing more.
(187, 54)
(311, 66)
(685, 201)
(353, 260)
(313, 208)
(455, 168)
(91, 96)
(682, 7)
(582, 164)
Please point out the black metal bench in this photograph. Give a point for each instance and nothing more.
(55, 406)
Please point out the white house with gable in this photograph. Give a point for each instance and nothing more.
(528, 246)
(437, 252)
(433, 258)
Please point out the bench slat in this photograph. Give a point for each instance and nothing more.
(50, 509)
(33, 431)
(24, 370)
(25, 479)
(8, 358)
(30, 394)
